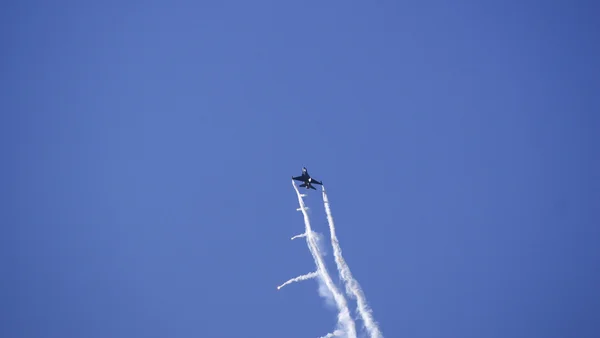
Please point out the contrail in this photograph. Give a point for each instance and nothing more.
(298, 279)
(336, 333)
(299, 236)
(344, 318)
(352, 287)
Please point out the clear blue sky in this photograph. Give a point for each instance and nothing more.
(147, 149)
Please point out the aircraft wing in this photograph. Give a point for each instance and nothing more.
(316, 182)
(298, 178)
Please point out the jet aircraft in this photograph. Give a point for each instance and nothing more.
(308, 181)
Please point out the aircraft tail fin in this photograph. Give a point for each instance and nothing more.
(303, 185)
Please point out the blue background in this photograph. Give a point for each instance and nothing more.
(147, 150)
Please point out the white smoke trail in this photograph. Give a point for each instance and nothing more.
(299, 279)
(344, 318)
(336, 333)
(299, 236)
(353, 289)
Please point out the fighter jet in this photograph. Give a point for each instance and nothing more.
(308, 181)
